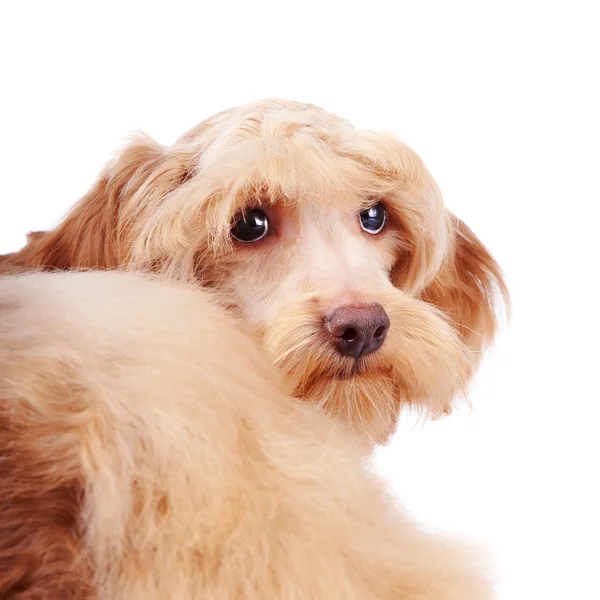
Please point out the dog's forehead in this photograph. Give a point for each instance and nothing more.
(284, 118)
(298, 154)
(253, 137)
(278, 152)
(296, 147)
(265, 118)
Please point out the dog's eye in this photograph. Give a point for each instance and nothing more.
(253, 226)
(373, 219)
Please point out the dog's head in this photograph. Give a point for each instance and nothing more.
(332, 243)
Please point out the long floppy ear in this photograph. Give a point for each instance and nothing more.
(97, 232)
(469, 288)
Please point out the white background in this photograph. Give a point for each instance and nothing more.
(501, 101)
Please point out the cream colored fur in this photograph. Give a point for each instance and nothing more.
(200, 476)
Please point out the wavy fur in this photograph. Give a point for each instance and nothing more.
(143, 405)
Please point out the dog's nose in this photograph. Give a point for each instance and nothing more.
(358, 330)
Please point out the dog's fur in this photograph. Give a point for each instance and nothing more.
(149, 451)
(155, 453)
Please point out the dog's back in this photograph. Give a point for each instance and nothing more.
(147, 450)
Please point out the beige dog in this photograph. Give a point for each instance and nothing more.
(154, 453)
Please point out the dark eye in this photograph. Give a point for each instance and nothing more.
(253, 226)
(373, 219)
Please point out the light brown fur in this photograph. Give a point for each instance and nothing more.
(195, 475)
(168, 211)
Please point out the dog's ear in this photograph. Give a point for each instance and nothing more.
(469, 288)
(96, 233)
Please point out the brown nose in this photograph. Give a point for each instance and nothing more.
(358, 330)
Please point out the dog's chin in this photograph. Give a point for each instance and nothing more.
(366, 399)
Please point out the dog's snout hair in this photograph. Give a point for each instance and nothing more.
(170, 210)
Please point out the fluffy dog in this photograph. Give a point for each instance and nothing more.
(323, 268)
(150, 449)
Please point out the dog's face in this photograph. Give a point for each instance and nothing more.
(315, 284)
(333, 245)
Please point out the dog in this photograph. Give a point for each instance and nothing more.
(320, 271)
(200, 431)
